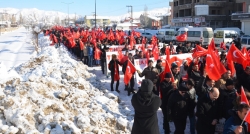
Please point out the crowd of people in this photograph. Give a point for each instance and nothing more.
(186, 91)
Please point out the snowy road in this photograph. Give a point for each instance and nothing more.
(15, 48)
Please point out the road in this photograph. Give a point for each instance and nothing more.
(15, 47)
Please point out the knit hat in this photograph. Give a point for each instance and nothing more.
(229, 82)
(182, 87)
(146, 85)
(174, 65)
(168, 75)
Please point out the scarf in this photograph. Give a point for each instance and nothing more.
(116, 77)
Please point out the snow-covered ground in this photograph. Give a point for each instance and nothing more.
(54, 93)
(15, 47)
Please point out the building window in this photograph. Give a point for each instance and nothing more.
(249, 8)
(213, 12)
(197, 0)
(218, 12)
(177, 3)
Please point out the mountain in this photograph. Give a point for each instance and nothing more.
(34, 14)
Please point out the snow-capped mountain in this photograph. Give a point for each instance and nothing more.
(34, 14)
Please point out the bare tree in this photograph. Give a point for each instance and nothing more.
(145, 16)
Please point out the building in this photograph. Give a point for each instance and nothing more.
(150, 22)
(218, 13)
(100, 21)
(126, 26)
(136, 21)
(243, 15)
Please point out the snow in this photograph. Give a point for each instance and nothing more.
(53, 93)
(34, 14)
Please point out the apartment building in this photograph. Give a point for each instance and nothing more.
(100, 20)
(219, 13)
(243, 15)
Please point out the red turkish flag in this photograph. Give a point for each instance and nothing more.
(130, 70)
(216, 58)
(81, 45)
(156, 53)
(243, 98)
(199, 51)
(212, 44)
(120, 55)
(167, 52)
(236, 55)
(213, 68)
(177, 60)
(98, 53)
(245, 53)
(143, 40)
(166, 70)
(182, 37)
(247, 117)
(230, 65)
(137, 34)
(223, 46)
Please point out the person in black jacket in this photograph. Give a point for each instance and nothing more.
(103, 58)
(205, 84)
(234, 124)
(207, 112)
(166, 90)
(130, 86)
(150, 73)
(179, 49)
(58, 36)
(227, 99)
(114, 69)
(177, 108)
(191, 104)
(146, 105)
(244, 79)
(194, 72)
(176, 73)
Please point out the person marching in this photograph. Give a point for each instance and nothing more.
(114, 69)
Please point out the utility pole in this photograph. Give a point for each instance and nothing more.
(68, 9)
(131, 15)
(95, 14)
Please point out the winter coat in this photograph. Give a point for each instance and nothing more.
(207, 111)
(202, 87)
(166, 91)
(192, 101)
(232, 123)
(159, 68)
(90, 51)
(226, 102)
(177, 107)
(150, 73)
(111, 66)
(244, 81)
(145, 118)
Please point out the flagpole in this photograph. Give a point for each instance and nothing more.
(245, 117)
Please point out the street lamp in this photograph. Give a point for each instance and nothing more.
(68, 9)
(95, 14)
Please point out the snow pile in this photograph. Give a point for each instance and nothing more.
(54, 94)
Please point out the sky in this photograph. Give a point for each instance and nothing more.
(86, 7)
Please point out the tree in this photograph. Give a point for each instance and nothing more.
(20, 19)
(145, 16)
